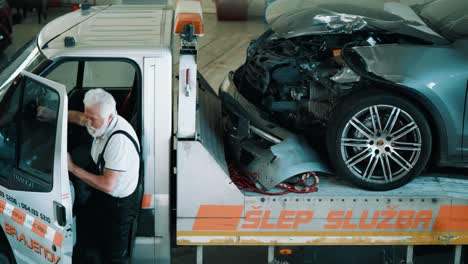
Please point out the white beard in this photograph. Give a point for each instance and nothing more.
(95, 133)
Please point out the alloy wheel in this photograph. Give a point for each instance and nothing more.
(381, 144)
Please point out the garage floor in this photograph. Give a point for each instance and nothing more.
(221, 50)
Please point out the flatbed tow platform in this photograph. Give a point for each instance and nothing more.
(212, 210)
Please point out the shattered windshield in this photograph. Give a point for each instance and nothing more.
(292, 18)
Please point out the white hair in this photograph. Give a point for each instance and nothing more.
(103, 99)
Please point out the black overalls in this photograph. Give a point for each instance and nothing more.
(106, 224)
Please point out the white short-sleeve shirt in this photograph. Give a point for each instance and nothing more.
(120, 155)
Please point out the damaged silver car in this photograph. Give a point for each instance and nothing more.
(381, 87)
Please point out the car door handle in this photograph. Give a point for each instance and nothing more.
(60, 214)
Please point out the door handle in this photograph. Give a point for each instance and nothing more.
(60, 214)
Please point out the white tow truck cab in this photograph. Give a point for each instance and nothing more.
(127, 50)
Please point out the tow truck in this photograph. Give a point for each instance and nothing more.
(190, 198)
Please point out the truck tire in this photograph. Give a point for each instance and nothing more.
(380, 141)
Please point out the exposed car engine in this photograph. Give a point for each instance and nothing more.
(299, 80)
(292, 78)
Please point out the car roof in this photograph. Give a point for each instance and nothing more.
(109, 29)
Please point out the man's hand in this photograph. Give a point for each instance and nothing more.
(104, 183)
(77, 118)
(45, 114)
(71, 164)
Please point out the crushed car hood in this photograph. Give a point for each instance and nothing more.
(294, 18)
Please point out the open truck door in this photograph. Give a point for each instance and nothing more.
(35, 198)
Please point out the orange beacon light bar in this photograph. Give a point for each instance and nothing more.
(189, 12)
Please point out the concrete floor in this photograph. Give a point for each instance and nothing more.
(223, 49)
(28, 29)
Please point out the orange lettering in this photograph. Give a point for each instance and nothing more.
(347, 224)
(22, 238)
(265, 224)
(303, 217)
(9, 229)
(36, 246)
(49, 255)
(373, 224)
(335, 217)
(389, 215)
(254, 218)
(405, 219)
(283, 219)
(424, 217)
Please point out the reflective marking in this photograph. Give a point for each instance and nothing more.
(452, 217)
(39, 228)
(2, 206)
(8, 209)
(30, 223)
(218, 217)
(18, 216)
(50, 234)
(58, 239)
(147, 201)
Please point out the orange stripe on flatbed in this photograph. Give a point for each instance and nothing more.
(321, 238)
(313, 233)
(147, 201)
(452, 218)
(223, 217)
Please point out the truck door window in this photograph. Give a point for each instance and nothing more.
(108, 74)
(27, 143)
(66, 73)
(9, 106)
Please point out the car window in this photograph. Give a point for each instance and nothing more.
(66, 74)
(108, 74)
(27, 145)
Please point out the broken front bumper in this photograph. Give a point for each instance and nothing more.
(261, 147)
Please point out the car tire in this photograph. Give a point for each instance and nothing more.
(375, 155)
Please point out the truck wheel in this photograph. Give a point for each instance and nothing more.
(378, 140)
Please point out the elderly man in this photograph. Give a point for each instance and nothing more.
(113, 204)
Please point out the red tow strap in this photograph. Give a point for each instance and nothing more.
(249, 183)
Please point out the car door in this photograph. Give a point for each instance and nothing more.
(35, 193)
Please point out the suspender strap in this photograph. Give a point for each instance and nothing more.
(101, 162)
(135, 144)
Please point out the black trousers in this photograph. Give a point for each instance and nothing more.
(105, 224)
(105, 229)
